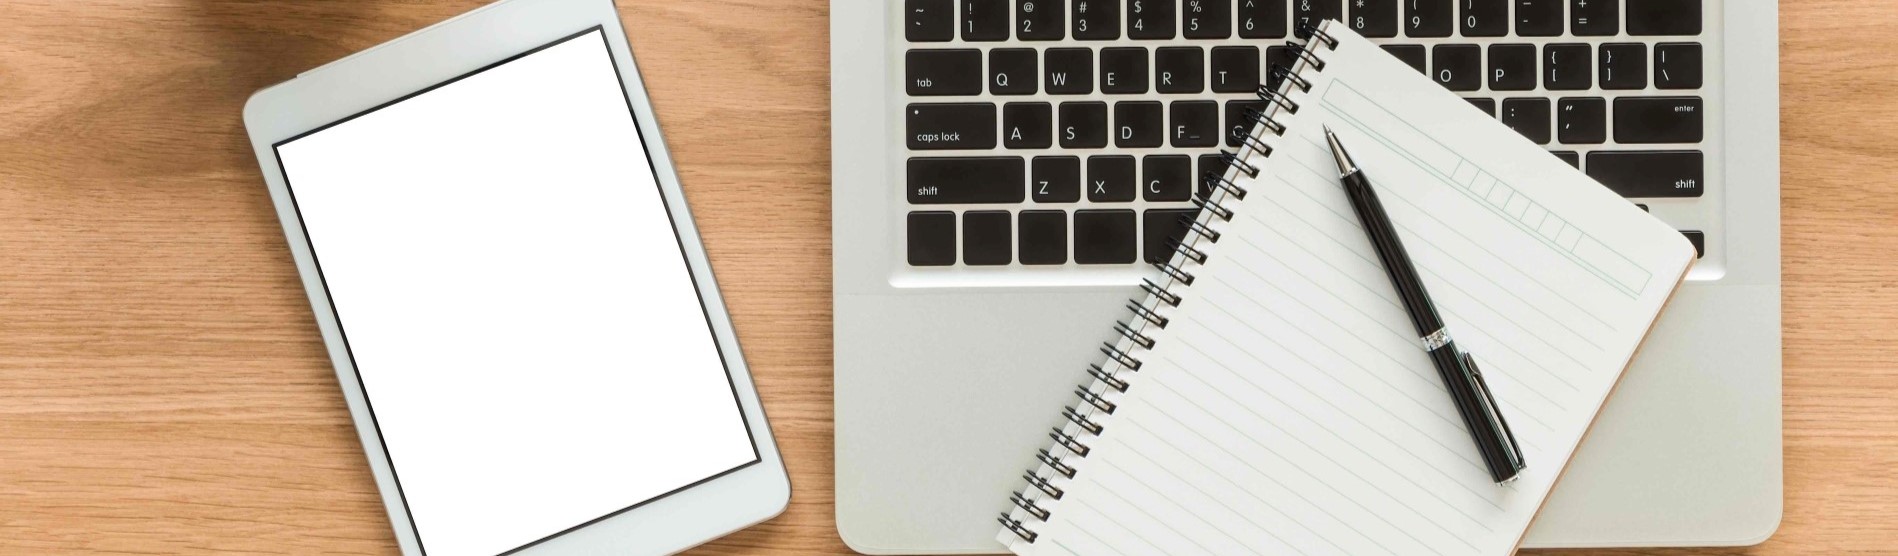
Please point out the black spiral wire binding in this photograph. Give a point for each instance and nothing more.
(1106, 378)
(1022, 501)
(1224, 214)
(1232, 160)
(1055, 463)
(1121, 357)
(1190, 252)
(1129, 333)
(1086, 424)
(1275, 97)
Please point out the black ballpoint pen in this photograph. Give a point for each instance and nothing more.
(1460, 376)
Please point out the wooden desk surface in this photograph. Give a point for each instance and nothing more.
(163, 388)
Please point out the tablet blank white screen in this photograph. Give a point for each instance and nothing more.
(515, 301)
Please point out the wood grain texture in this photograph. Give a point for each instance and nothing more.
(163, 388)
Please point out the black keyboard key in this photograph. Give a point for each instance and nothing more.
(1056, 179)
(1262, 19)
(1565, 67)
(942, 72)
(1663, 17)
(1658, 120)
(1623, 66)
(1373, 18)
(1235, 69)
(1208, 164)
(1195, 123)
(1677, 66)
(1412, 54)
(1040, 20)
(1083, 125)
(1574, 160)
(950, 126)
(1104, 236)
(1699, 240)
(1581, 121)
(942, 181)
(987, 238)
(1314, 12)
(1110, 178)
(1166, 177)
(1487, 105)
(1594, 18)
(1512, 67)
(1179, 69)
(1458, 67)
(1528, 116)
(929, 20)
(1207, 19)
(1150, 19)
(1539, 18)
(1429, 18)
(984, 20)
(1027, 125)
(1649, 173)
(1163, 229)
(1483, 18)
(1236, 121)
(1096, 20)
(932, 238)
(1044, 237)
(1012, 71)
(1138, 124)
(1124, 71)
(1070, 71)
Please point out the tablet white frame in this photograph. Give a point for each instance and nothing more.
(439, 53)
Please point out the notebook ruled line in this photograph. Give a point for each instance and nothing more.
(1525, 331)
(1459, 453)
(1117, 525)
(1096, 538)
(1384, 323)
(1432, 380)
(1267, 531)
(1293, 463)
(1064, 547)
(1268, 477)
(1415, 234)
(1321, 424)
(1167, 523)
(1424, 241)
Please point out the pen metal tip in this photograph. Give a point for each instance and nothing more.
(1345, 166)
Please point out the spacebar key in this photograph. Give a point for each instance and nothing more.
(1649, 173)
(943, 181)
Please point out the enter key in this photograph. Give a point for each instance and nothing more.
(1648, 120)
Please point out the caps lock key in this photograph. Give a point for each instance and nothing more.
(950, 126)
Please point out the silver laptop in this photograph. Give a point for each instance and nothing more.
(1004, 169)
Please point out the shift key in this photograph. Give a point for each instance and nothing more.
(950, 126)
(1639, 174)
(944, 181)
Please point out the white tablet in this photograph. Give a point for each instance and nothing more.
(510, 286)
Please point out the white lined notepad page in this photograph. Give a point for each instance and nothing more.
(1288, 407)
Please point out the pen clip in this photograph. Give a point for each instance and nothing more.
(1494, 413)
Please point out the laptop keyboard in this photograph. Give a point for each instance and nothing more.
(1047, 133)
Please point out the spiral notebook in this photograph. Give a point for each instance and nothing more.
(1267, 395)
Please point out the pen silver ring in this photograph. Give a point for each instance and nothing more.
(1437, 339)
